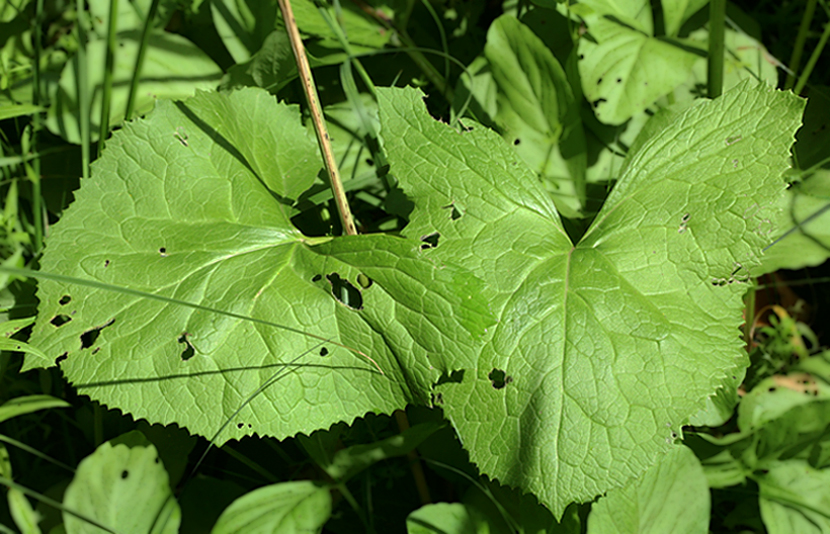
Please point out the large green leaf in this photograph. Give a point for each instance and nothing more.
(192, 204)
(601, 348)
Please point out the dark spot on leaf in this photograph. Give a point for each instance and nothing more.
(60, 320)
(89, 337)
(674, 435)
(345, 292)
(95, 350)
(157, 460)
(517, 142)
(364, 281)
(106, 263)
(619, 80)
(455, 214)
(771, 389)
(188, 351)
(499, 379)
(317, 278)
(240, 425)
(430, 240)
(598, 101)
(599, 81)
(455, 377)
(437, 398)
(125, 474)
(581, 56)
(369, 162)
(324, 351)
(66, 299)
(163, 252)
(61, 358)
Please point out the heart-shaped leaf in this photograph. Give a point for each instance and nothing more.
(190, 207)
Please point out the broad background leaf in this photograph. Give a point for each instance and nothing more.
(607, 346)
(537, 109)
(290, 507)
(124, 486)
(672, 496)
(623, 71)
(809, 244)
(173, 68)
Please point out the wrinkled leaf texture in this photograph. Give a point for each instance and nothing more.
(192, 204)
(604, 347)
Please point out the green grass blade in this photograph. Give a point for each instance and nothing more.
(108, 72)
(717, 22)
(139, 61)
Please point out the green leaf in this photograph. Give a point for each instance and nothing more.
(720, 407)
(676, 12)
(634, 13)
(187, 212)
(795, 497)
(244, 26)
(623, 71)
(786, 416)
(672, 496)
(806, 219)
(446, 518)
(9, 328)
(124, 486)
(29, 404)
(536, 107)
(21, 510)
(271, 67)
(173, 68)
(363, 31)
(744, 58)
(352, 460)
(601, 348)
(776, 398)
(512, 511)
(131, 15)
(287, 508)
(18, 110)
